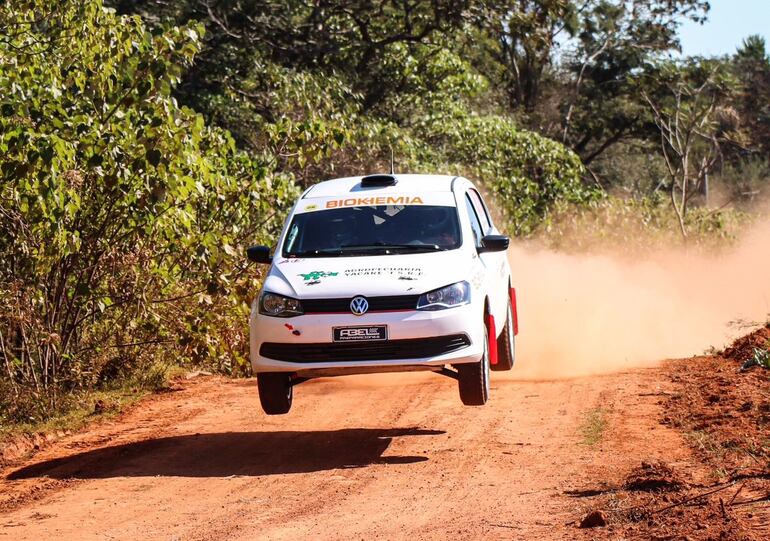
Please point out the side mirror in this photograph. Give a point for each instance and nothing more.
(259, 254)
(494, 243)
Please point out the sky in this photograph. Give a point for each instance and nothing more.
(730, 21)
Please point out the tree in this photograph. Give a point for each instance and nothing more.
(524, 35)
(616, 41)
(568, 66)
(687, 101)
(751, 65)
(347, 38)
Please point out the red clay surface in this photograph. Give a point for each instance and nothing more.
(376, 457)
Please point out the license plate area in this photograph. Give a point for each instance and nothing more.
(360, 333)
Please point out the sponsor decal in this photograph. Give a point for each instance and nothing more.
(477, 281)
(291, 260)
(369, 201)
(316, 275)
(355, 334)
(311, 207)
(294, 331)
(403, 273)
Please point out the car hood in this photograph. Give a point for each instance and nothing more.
(333, 277)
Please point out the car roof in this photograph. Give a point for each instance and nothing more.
(406, 183)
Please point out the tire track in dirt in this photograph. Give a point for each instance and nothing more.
(392, 456)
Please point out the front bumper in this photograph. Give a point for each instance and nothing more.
(307, 332)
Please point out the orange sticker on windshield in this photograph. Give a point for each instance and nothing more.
(368, 201)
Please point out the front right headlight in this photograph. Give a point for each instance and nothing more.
(272, 304)
(446, 297)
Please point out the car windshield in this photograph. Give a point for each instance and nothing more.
(366, 230)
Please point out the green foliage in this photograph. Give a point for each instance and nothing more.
(742, 181)
(761, 357)
(631, 170)
(527, 173)
(688, 100)
(751, 66)
(123, 216)
(349, 39)
(566, 67)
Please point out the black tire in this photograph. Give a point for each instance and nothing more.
(474, 378)
(275, 392)
(506, 344)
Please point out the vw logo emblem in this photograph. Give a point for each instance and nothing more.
(359, 306)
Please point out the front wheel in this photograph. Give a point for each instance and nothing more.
(275, 392)
(473, 378)
(506, 344)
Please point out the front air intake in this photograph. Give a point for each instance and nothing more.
(372, 181)
(387, 350)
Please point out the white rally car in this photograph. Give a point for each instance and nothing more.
(384, 273)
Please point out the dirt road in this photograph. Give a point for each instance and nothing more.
(395, 458)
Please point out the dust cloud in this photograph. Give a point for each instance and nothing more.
(589, 314)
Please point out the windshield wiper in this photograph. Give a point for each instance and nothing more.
(313, 253)
(384, 246)
(365, 248)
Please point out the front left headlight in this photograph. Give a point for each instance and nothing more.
(446, 297)
(272, 304)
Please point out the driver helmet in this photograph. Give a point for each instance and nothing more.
(340, 232)
(436, 219)
(437, 226)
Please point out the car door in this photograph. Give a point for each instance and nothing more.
(495, 263)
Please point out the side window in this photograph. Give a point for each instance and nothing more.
(291, 238)
(475, 225)
(481, 209)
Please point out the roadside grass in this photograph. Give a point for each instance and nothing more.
(621, 225)
(594, 425)
(718, 452)
(706, 443)
(84, 407)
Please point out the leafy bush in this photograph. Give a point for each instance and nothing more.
(122, 216)
(744, 181)
(528, 174)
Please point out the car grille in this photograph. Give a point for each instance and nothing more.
(365, 351)
(376, 304)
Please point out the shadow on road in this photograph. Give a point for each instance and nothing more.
(231, 453)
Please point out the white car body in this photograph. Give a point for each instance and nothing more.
(304, 345)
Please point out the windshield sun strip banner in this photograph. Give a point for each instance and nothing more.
(445, 199)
